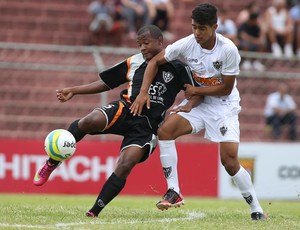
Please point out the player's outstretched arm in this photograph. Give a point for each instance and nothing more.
(150, 72)
(66, 94)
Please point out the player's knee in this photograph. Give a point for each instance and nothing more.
(231, 166)
(85, 124)
(164, 134)
(90, 123)
(76, 131)
(124, 168)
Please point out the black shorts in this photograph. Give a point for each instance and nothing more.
(136, 130)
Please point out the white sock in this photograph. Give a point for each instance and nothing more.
(168, 159)
(243, 181)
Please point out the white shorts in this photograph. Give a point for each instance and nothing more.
(220, 121)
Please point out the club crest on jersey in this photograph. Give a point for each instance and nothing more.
(217, 65)
(223, 130)
(167, 76)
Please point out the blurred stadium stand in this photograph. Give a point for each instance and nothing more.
(66, 22)
(42, 48)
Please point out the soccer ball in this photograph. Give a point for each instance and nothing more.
(60, 144)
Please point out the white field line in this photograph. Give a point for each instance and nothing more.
(189, 216)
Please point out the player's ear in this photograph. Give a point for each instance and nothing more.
(215, 26)
(160, 40)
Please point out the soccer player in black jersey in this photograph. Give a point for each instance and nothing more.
(139, 132)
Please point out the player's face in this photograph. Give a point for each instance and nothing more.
(149, 46)
(204, 34)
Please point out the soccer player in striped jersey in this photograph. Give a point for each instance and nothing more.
(139, 132)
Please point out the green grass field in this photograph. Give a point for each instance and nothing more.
(138, 212)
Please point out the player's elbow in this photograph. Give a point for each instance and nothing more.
(224, 92)
(227, 92)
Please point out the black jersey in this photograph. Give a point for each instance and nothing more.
(169, 80)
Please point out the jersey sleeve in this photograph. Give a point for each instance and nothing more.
(232, 60)
(184, 73)
(116, 75)
(176, 50)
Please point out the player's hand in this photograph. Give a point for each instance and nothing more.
(138, 104)
(189, 91)
(185, 108)
(64, 95)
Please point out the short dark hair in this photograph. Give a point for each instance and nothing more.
(205, 14)
(253, 16)
(154, 31)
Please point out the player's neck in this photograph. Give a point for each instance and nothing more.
(210, 44)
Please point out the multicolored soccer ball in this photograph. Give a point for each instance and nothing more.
(60, 144)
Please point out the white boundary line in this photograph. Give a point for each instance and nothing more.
(189, 216)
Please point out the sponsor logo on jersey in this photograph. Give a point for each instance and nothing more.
(167, 76)
(217, 65)
(156, 91)
(161, 88)
(192, 60)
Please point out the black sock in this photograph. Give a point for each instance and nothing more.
(77, 133)
(112, 187)
(54, 162)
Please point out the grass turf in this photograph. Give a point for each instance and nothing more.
(137, 212)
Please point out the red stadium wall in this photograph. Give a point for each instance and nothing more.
(93, 163)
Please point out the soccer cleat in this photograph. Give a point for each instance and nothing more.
(258, 216)
(42, 175)
(170, 199)
(90, 214)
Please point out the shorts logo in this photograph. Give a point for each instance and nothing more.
(167, 171)
(167, 76)
(223, 130)
(217, 65)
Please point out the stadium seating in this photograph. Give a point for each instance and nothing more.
(66, 22)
